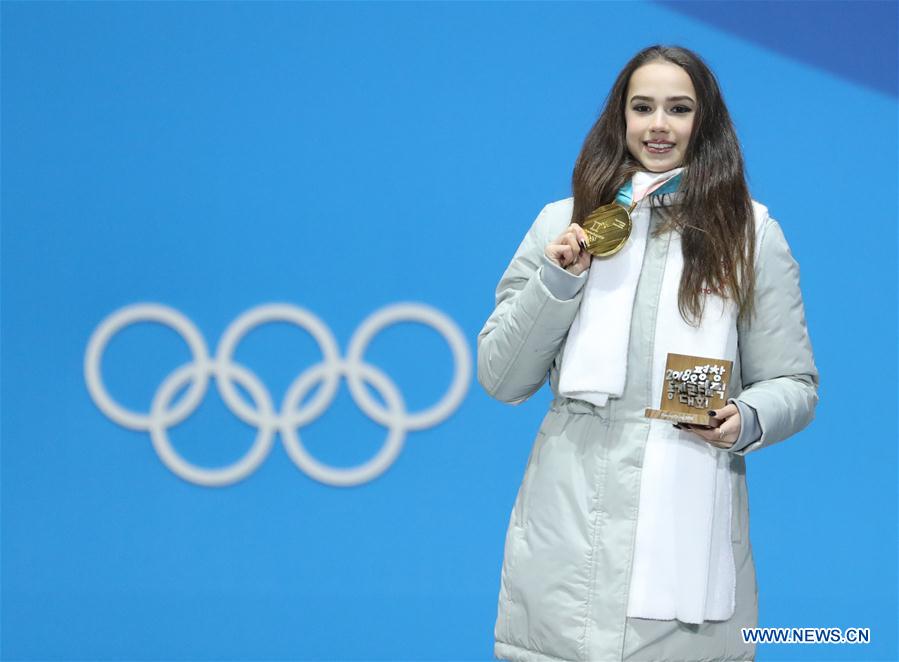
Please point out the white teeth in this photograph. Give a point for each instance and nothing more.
(660, 145)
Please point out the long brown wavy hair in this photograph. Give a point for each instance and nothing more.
(715, 215)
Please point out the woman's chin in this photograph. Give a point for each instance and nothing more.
(657, 166)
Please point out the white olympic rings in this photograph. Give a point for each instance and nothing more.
(291, 416)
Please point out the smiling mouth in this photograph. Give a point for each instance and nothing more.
(658, 148)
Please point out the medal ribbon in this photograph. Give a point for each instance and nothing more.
(625, 195)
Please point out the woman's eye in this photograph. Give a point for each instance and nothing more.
(641, 108)
(682, 109)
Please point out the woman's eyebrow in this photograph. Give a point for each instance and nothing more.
(680, 98)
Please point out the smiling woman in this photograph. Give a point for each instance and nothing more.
(659, 127)
(629, 537)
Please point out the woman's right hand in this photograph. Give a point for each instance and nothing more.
(567, 250)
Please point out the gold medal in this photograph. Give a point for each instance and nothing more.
(607, 229)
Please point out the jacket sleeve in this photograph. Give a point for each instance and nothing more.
(780, 379)
(750, 430)
(522, 336)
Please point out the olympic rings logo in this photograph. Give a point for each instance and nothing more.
(291, 416)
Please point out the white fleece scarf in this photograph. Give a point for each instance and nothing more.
(683, 566)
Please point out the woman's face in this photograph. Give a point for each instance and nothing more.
(659, 112)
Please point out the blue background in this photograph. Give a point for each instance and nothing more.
(342, 157)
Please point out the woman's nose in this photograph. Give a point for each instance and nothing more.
(659, 121)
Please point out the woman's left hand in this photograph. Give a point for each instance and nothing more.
(724, 435)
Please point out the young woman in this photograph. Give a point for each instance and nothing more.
(629, 537)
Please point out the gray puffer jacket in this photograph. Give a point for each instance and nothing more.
(569, 545)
